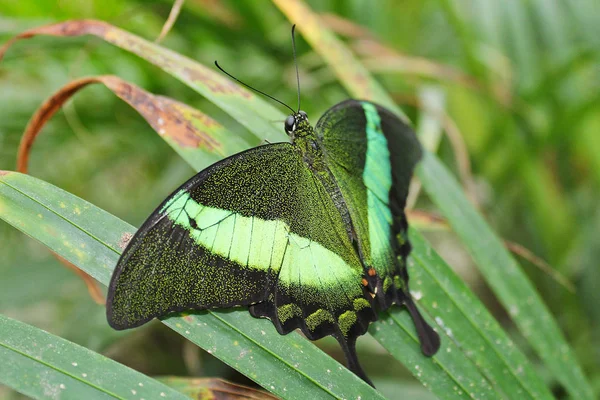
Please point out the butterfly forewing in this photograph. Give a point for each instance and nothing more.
(254, 229)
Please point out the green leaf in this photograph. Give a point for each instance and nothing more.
(93, 239)
(471, 326)
(498, 267)
(249, 110)
(477, 358)
(41, 365)
(505, 277)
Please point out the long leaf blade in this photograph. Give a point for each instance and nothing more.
(65, 223)
(196, 137)
(41, 365)
(471, 326)
(92, 239)
(482, 243)
(249, 110)
(506, 278)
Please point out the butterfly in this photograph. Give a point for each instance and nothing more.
(310, 233)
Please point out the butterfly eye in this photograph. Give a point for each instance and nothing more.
(303, 114)
(290, 124)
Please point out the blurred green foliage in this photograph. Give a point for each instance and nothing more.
(530, 122)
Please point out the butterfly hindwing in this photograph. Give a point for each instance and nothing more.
(372, 154)
(257, 228)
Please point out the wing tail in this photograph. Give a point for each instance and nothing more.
(349, 347)
(430, 340)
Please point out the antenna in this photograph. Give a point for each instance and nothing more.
(296, 64)
(256, 90)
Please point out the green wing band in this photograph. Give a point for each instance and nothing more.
(267, 246)
(377, 178)
(165, 271)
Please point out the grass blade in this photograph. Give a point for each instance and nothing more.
(41, 365)
(506, 278)
(471, 326)
(249, 110)
(499, 268)
(195, 136)
(92, 239)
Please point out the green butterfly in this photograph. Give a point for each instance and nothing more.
(309, 234)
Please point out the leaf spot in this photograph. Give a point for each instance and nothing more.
(417, 295)
(124, 240)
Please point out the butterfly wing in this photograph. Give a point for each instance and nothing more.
(259, 229)
(372, 155)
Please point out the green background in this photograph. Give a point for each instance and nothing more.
(529, 116)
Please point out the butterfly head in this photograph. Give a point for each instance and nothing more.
(296, 124)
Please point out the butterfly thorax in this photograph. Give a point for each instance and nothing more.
(305, 141)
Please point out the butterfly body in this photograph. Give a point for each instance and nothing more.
(310, 234)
